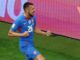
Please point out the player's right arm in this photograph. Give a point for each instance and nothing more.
(12, 32)
(16, 34)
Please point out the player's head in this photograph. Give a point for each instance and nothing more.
(29, 9)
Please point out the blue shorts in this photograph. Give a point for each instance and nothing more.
(30, 52)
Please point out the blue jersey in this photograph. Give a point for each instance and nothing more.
(24, 24)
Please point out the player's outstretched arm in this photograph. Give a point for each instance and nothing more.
(48, 33)
(16, 34)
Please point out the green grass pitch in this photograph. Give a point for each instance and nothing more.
(53, 47)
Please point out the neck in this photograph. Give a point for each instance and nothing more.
(26, 15)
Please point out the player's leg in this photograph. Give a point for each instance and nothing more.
(27, 58)
(33, 54)
(39, 57)
(36, 55)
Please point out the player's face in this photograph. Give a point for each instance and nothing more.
(31, 10)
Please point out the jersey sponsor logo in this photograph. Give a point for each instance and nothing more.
(32, 21)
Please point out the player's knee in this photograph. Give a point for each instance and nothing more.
(43, 58)
(40, 57)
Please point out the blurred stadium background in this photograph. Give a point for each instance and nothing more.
(61, 17)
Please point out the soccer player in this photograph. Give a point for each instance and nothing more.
(26, 24)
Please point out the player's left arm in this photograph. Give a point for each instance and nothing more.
(47, 33)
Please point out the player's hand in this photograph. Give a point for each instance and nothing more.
(48, 33)
(25, 34)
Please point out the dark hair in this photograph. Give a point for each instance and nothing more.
(26, 5)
